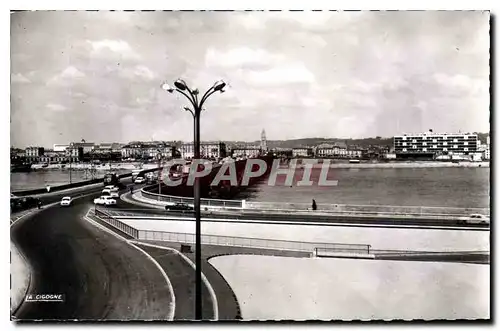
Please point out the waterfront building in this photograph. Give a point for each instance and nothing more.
(132, 150)
(105, 151)
(246, 151)
(33, 153)
(331, 150)
(431, 144)
(484, 149)
(354, 153)
(60, 147)
(17, 155)
(390, 156)
(153, 148)
(337, 150)
(85, 146)
(52, 156)
(147, 150)
(282, 152)
(74, 153)
(302, 152)
(208, 150)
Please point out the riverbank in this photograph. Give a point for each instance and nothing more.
(105, 167)
(42, 178)
(395, 165)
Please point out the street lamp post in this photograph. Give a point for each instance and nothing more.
(159, 172)
(192, 95)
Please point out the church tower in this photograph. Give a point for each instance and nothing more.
(263, 141)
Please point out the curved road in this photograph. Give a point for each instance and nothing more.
(101, 276)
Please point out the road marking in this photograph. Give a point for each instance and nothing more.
(169, 284)
(250, 221)
(162, 271)
(215, 303)
(31, 212)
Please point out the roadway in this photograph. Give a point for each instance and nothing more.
(302, 218)
(101, 276)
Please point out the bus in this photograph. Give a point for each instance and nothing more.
(111, 179)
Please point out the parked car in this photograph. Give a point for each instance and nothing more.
(105, 200)
(139, 180)
(179, 207)
(23, 203)
(475, 219)
(66, 201)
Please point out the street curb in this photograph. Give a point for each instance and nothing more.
(169, 283)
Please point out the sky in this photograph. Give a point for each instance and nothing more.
(97, 75)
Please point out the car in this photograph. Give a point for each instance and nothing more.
(111, 187)
(112, 193)
(23, 203)
(105, 200)
(179, 207)
(475, 219)
(66, 201)
(139, 180)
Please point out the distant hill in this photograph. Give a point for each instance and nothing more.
(311, 142)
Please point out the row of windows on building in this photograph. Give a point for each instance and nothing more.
(437, 144)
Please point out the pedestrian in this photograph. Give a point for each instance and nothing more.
(131, 189)
(314, 206)
(39, 203)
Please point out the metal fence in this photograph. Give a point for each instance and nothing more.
(327, 251)
(376, 210)
(189, 238)
(370, 209)
(204, 202)
(127, 229)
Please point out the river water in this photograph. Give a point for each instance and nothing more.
(42, 178)
(433, 187)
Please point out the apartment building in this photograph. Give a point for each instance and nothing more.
(434, 144)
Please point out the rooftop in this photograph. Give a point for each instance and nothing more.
(435, 134)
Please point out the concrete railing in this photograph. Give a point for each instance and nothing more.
(189, 238)
(339, 209)
(190, 201)
(378, 210)
(125, 228)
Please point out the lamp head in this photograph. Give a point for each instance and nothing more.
(180, 84)
(167, 87)
(218, 86)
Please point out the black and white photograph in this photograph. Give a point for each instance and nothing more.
(250, 165)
